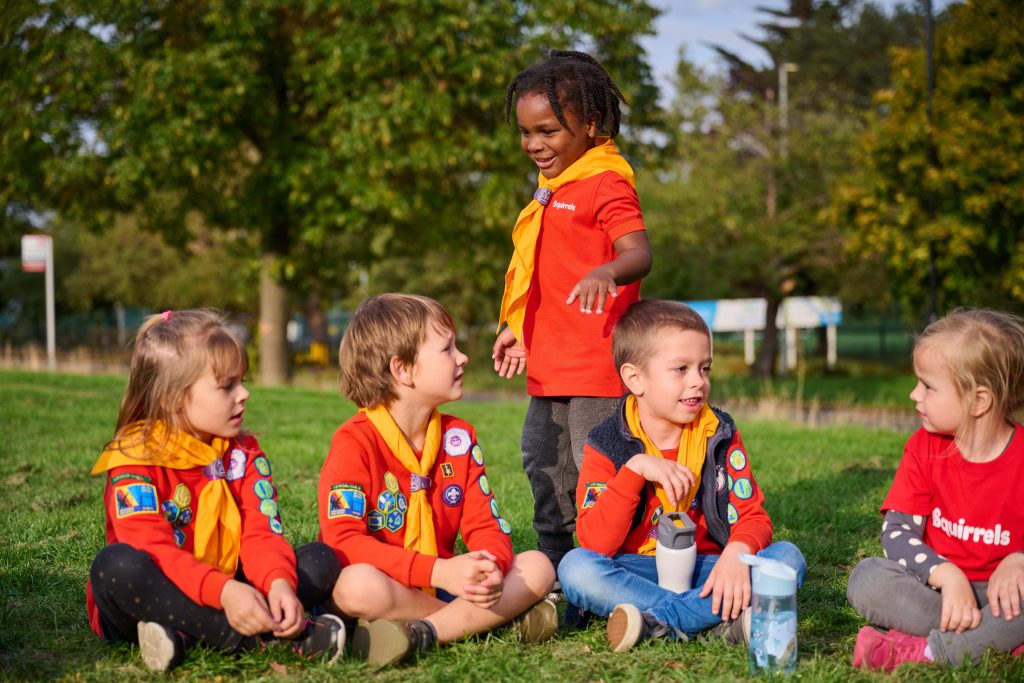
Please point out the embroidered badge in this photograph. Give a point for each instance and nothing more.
(182, 496)
(391, 482)
(743, 489)
(236, 466)
(656, 515)
(375, 520)
(262, 465)
(394, 521)
(447, 471)
(171, 511)
(494, 509)
(485, 486)
(179, 537)
(268, 506)
(129, 475)
(185, 518)
(734, 515)
(133, 499)
(275, 525)
(729, 481)
(386, 501)
(452, 495)
(504, 525)
(738, 459)
(403, 502)
(594, 489)
(263, 489)
(346, 500)
(456, 441)
(478, 454)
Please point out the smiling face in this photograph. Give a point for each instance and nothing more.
(552, 146)
(935, 395)
(214, 407)
(673, 385)
(437, 372)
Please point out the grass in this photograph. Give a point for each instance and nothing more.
(823, 488)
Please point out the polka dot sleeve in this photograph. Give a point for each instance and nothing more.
(901, 542)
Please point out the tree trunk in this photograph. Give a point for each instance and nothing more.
(273, 342)
(764, 366)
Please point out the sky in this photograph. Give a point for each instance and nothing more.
(695, 23)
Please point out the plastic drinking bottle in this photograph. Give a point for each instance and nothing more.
(676, 551)
(773, 615)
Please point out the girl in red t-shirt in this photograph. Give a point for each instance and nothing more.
(580, 252)
(195, 548)
(952, 580)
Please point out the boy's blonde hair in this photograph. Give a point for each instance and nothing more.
(171, 352)
(385, 326)
(982, 348)
(633, 338)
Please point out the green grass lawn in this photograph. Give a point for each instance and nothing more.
(823, 488)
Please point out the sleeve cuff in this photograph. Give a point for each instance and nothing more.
(211, 588)
(625, 227)
(421, 569)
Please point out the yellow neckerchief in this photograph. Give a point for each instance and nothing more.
(218, 524)
(419, 531)
(598, 159)
(693, 444)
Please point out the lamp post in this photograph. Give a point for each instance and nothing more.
(785, 69)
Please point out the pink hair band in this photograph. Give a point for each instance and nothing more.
(166, 315)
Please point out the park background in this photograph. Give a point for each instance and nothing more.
(282, 160)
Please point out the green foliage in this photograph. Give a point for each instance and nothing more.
(967, 163)
(823, 488)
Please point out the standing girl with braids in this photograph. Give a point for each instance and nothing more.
(580, 250)
(195, 548)
(951, 583)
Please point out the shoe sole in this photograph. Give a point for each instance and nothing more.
(155, 648)
(381, 642)
(624, 626)
(539, 623)
(340, 639)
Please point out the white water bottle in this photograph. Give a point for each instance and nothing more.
(676, 551)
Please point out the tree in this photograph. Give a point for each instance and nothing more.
(973, 176)
(336, 134)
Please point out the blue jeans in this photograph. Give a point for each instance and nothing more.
(597, 583)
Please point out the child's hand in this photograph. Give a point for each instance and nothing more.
(509, 355)
(246, 608)
(959, 608)
(456, 574)
(286, 609)
(487, 592)
(593, 290)
(729, 583)
(676, 479)
(1006, 587)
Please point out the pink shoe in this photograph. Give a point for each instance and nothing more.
(886, 651)
(1018, 651)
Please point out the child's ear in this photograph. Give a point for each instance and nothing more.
(982, 402)
(591, 129)
(400, 371)
(630, 375)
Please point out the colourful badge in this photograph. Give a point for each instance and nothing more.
(478, 454)
(729, 481)
(457, 442)
(743, 489)
(134, 499)
(275, 525)
(393, 521)
(403, 502)
(452, 495)
(262, 465)
(236, 466)
(594, 489)
(738, 459)
(734, 515)
(504, 525)
(386, 501)
(269, 507)
(129, 475)
(494, 509)
(346, 500)
(171, 511)
(447, 471)
(182, 496)
(656, 514)
(390, 482)
(179, 537)
(485, 486)
(263, 489)
(375, 520)
(185, 518)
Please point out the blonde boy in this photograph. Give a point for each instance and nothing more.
(666, 449)
(401, 481)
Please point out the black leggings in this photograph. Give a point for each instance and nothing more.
(128, 587)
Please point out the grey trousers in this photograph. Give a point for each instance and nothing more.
(886, 594)
(554, 432)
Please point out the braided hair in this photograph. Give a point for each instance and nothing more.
(575, 81)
